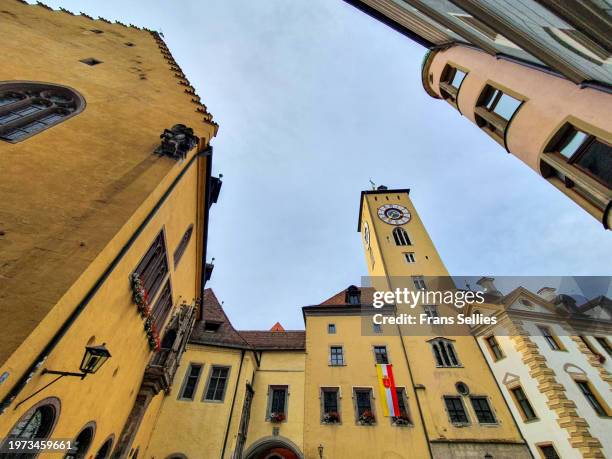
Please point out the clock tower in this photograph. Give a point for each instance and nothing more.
(447, 371)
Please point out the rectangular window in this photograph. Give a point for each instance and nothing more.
(336, 356)
(191, 381)
(587, 391)
(409, 256)
(496, 351)
(587, 153)
(523, 403)
(376, 328)
(450, 82)
(162, 306)
(380, 354)
(482, 409)
(402, 402)
(551, 339)
(431, 310)
(363, 406)
(456, 410)
(331, 329)
(603, 342)
(277, 403)
(182, 246)
(217, 382)
(419, 283)
(330, 413)
(153, 267)
(548, 452)
(494, 110)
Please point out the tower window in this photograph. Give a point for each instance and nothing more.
(456, 410)
(153, 268)
(419, 283)
(450, 82)
(444, 353)
(180, 249)
(523, 403)
(376, 328)
(401, 237)
(380, 354)
(331, 329)
(431, 310)
(29, 108)
(402, 402)
(409, 256)
(494, 110)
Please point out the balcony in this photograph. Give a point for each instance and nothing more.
(162, 367)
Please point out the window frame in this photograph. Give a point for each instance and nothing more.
(181, 247)
(465, 412)
(542, 453)
(553, 341)
(450, 92)
(186, 377)
(409, 257)
(208, 380)
(487, 119)
(604, 344)
(323, 412)
(487, 400)
(24, 86)
(431, 310)
(519, 406)
(402, 395)
(376, 354)
(331, 355)
(419, 282)
(593, 397)
(271, 389)
(331, 329)
(447, 342)
(372, 409)
(401, 237)
(494, 354)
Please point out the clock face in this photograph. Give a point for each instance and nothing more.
(394, 214)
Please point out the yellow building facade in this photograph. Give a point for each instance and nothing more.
(91, 196)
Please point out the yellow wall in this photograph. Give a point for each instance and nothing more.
(197, 428)
(349, 439)
(92, 180)
(281, 368)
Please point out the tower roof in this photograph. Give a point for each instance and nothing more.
(277, 327)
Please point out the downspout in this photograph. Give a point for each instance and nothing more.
(231, 413)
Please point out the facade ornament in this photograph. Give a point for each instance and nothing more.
(177, 141)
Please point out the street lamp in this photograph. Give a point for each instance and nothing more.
(320, 448)
(93, 359)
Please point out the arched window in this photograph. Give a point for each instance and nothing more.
(82, 442)
(401, 237)
(38, 422)
(29, 108)
(444, 353)
(105, 449)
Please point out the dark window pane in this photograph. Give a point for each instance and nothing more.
(193, 374)
(524, 404)
(482, 410)
(380, 353)
(455, 410)
(597, 159)
(549, 452)
(330, 401)
(216, 385)
(363, 401)
(278, 400)
(585, 388)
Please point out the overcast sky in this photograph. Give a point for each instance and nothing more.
(314, 99)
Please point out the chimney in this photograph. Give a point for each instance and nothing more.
(548, 293)
(488, 285)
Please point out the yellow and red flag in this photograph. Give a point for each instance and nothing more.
(388, 393)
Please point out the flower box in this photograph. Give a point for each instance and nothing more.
(331, 418)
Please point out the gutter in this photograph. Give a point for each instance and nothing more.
(231, 413)
(65, 327)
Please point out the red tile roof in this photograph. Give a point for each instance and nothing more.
(226, 335)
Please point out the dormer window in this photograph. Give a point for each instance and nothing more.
(353, 295)
(211, 327)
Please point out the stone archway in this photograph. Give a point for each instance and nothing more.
(273, 448)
